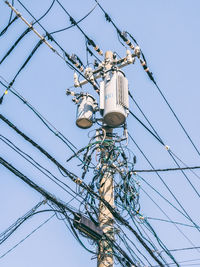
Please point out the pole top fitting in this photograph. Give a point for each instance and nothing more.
(108, 55)
(108, 59)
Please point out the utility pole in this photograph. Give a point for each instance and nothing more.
(113, 107)
(106, 191)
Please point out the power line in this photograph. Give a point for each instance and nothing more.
(90, 41)
(79, 21)
(39, 189)
(50, 37)
(167, 187)
(11, 229)
(168, 149)
(26, 31)
(169, 169)
(150, 75)
(62, 205)
(162, 220)
(48, 124)
(70, 173)
(158, 206)
(9, 24)
(157, 138)
(22, 240)
(43, 170)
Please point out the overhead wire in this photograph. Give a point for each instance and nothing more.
(143, 219)
(167, 147)
(70, 61)
(39, 189)
(170, 220)
(169, 169)
(48, 124)
(12, 228)
(22, 240)
(79, 21)
(11, 13)
(180, 262)
(90, 41)
(158, 139)
(150, 124)
(34, 49)
(9, 24)
(51, 198)
(43, 170)
(159, 242)
(167, 187)
(157, 192)
(150, 75)
(186, 166)
(26, 31)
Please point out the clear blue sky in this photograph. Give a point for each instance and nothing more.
(168, 33)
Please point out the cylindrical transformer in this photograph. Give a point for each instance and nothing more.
(115, 98)
(85, 111)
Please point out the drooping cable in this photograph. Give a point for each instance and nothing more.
(71, 62)
(79, 21)
(167, 187)
(48, 124)
(90, 41)
(9, 24)
(43, 170)
(150, 75)
(25, 32)
(62, 205)
(167, 147)
(169, 169)
(22, 240)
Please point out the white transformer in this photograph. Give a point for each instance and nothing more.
(114, 101)
(85, 111)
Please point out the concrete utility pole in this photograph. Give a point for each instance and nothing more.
(113, 107)
(105, 254)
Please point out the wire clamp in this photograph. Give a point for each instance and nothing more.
(167, 147)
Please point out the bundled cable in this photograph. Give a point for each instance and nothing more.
(73, 22)
(26, 61)
(9, 24)
(11, 229)
(77, 180)
(15, 44)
